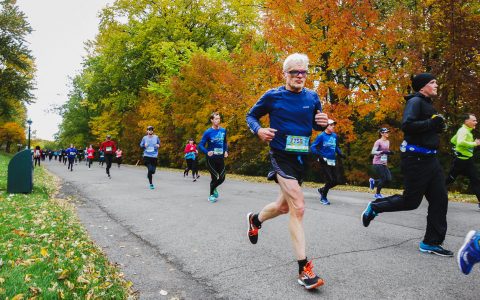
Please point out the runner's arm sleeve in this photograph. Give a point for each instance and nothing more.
(260, 109)
(142, 143)
(410, 122)
(225, 144)
(315, 147)
(462, 140)
(338, 150)
(318, 107)
(202, 143)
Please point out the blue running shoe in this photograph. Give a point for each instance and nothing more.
(371, 182)
(324, 200)
(152, 186)
(434, 249)
(212, 199)
(215, 193)
(368, 215)
(378, 196)
(469, 253)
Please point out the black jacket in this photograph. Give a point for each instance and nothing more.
(417, 123)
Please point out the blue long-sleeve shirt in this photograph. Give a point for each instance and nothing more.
(291, 114)
(326, 145)
(71, 152)
(217, 141)
(149, 144)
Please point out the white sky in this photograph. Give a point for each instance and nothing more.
(60, 28)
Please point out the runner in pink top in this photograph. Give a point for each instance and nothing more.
(118, 156)
(381, 151)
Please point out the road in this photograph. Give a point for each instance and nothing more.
(173, 240)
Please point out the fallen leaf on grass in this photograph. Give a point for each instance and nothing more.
(82, 279)
(2, 280)
(20, 233)
(34, 290)
(44, 252)
(63, 275)
(28, 278)
(18, 297)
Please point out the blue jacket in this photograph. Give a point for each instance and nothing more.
(291, 114)
(71, 152)
(217, 141)
(326, 145)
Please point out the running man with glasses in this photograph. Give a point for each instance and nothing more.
(293, 111)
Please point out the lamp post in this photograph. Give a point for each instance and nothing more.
(29, 122)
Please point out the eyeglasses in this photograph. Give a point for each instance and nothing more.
(295, 73)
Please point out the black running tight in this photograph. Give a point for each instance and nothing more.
(151, 164)
(216, 167)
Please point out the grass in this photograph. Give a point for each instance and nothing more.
(45, 253)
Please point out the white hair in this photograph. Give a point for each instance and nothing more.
(295, 58)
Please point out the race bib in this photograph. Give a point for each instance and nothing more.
(150, 149)
(217, 151)
(384, 158)
(297, 143)
(330, 162)
(72, 153)
(108, 149)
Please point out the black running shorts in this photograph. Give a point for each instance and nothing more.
(287, 165)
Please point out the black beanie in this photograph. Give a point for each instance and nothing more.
(421, 80)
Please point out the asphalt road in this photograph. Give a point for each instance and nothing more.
(173, 240)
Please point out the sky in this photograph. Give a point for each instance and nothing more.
(60, 28)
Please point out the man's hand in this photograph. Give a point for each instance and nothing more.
(210, 153)
(321, 119)
(266, 134)
(225, 154)
(477, 141)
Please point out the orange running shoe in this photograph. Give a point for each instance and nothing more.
(308, 279)
(252, 229)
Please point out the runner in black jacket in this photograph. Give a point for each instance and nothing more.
(423, 174)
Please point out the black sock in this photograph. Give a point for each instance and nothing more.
(256, 221)
(301, 263)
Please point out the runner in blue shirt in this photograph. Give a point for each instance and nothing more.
(216, 151)
(326, 149)
(293, 111)
(71, 155)
(150, 144)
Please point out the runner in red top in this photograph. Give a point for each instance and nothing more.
(191, 153)
(90, 155)
(109, 148)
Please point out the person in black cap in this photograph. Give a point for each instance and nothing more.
(423, 174)
(380, 152)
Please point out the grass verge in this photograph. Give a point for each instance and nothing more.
(45, 253)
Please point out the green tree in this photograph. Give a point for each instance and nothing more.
(16, 62)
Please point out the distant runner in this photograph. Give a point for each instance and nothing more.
(150, 144)
(109, 148)
(381, 151)
(216, 151)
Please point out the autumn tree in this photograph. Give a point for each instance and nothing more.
(11, 133)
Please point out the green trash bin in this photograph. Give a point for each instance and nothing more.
(20, 173)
